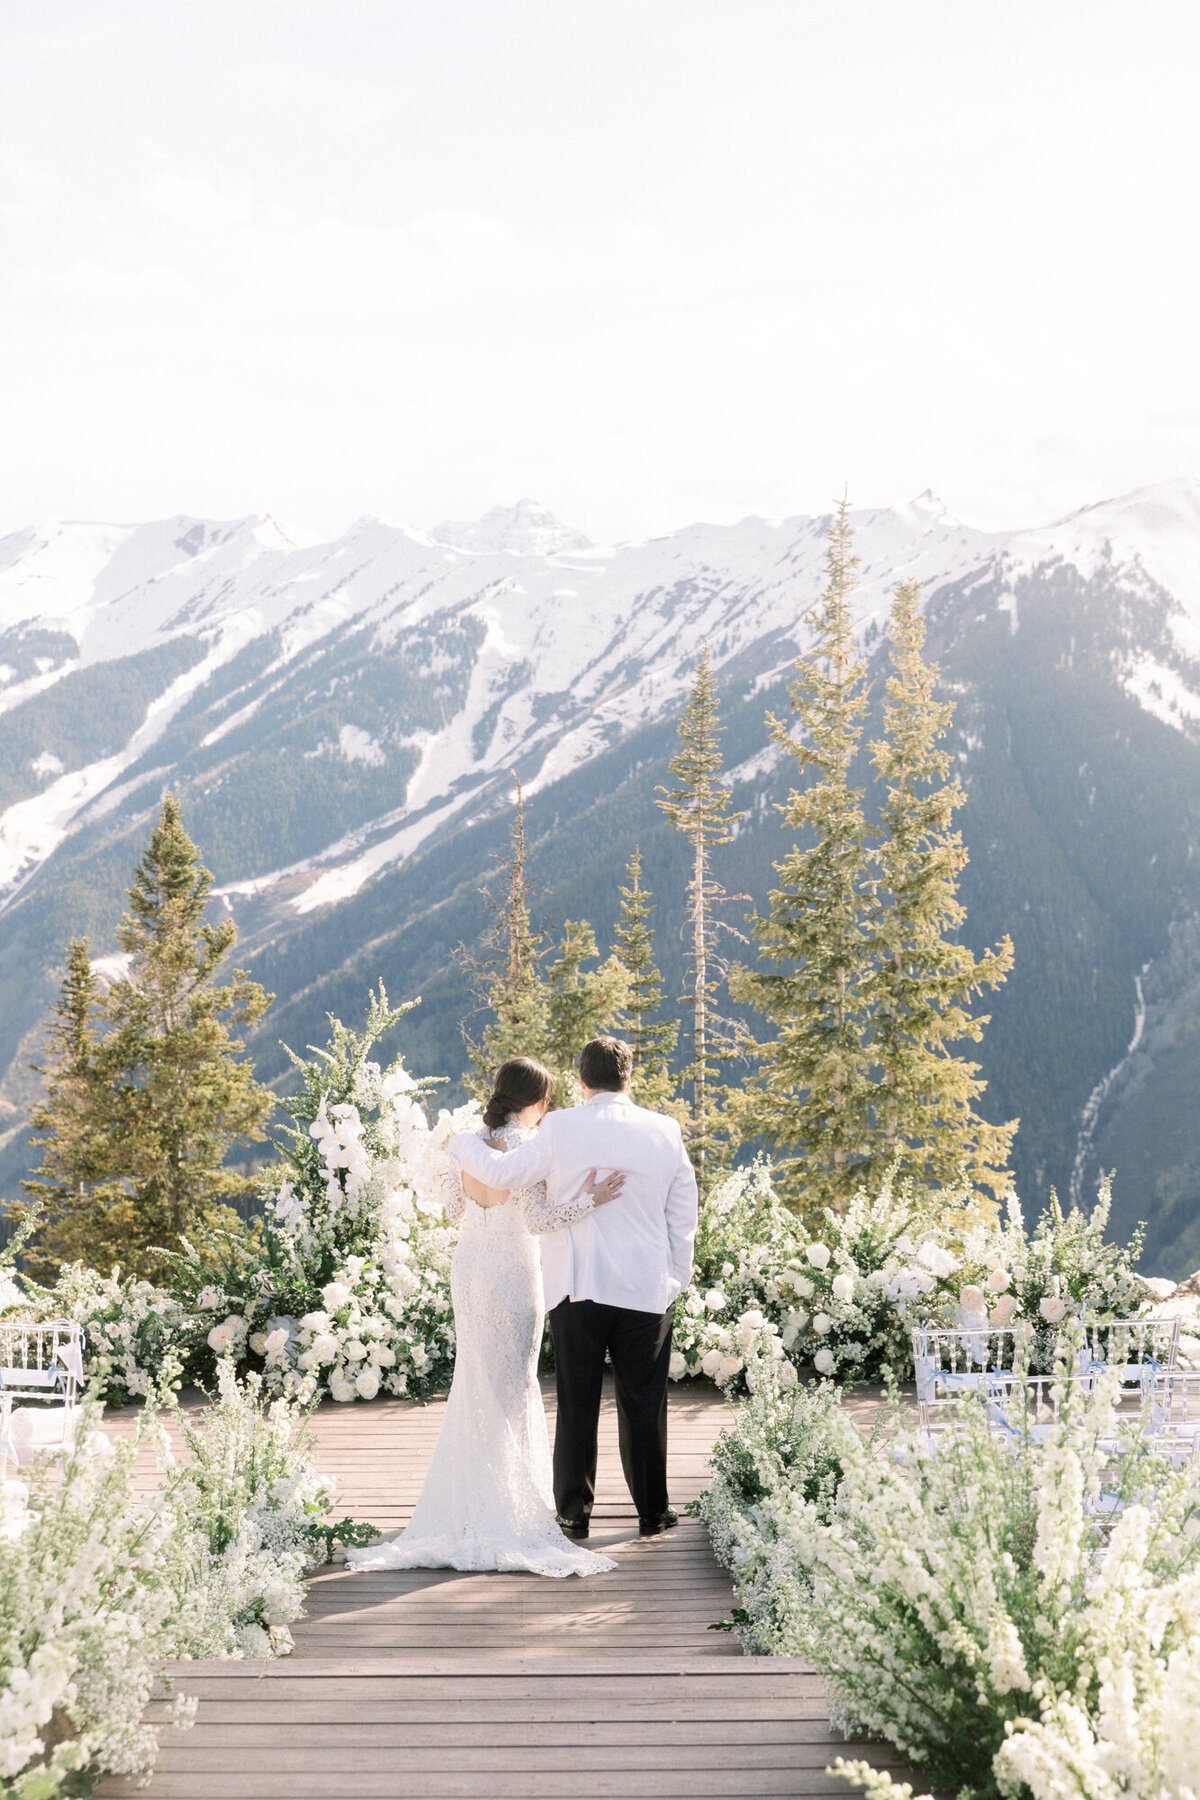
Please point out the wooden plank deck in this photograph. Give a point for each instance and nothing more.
(432, 1684)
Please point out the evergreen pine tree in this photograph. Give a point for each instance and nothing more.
(653, 1042)
(541, 1006)
(181, 1094)
(811, 1097)
(510, 982)
(698, 807)
(924, 981)
(581, 1003)
(84, 1211)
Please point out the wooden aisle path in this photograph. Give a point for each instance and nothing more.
(431, 1684)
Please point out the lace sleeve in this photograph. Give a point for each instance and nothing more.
(454, 1197)
(544, 1214)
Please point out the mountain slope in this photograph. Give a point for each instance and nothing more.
(340, 719)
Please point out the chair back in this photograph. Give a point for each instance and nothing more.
(951, 1361)
(42, 1361)
(1141, 1351)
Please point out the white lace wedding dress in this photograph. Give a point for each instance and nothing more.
(487, 1501)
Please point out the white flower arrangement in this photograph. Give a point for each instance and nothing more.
(100, 1584)
(1016, 1616)
(846, 1302)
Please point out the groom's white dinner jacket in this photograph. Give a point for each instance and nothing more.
(634, 1251)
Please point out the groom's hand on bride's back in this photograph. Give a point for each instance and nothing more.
(603, 1191)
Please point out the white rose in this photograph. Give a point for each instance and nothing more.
(323, 1348)
(1052, 1309)
(677, 1368)
(787, 1374)
(843, 1288)
(1004, 1309)
(355, 1350)
(383, 1354)
(752, 1320)
(335, 1295)
(342, 1390)
(798, 1318)
(711, 1361)
(315, 1321)
(209, 1298)
(972, 1298)
(715, 1300)
(823, 1361)
(275, 1341)
(998, 1280)
(235, 1325)
(803, 1286)
(818, 1256)
(822, 1324)
(730, 1366)
(220, 1339)
(367, 1384)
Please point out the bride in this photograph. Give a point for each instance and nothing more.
(487, 1501)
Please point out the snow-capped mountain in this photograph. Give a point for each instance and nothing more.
(340, 718)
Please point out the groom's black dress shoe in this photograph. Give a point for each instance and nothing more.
(573, 1528)
(664, 1522)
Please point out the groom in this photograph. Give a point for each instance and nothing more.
(611, 1279)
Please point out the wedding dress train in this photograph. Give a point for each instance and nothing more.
(487, 1501)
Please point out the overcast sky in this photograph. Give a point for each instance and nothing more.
(649, 262)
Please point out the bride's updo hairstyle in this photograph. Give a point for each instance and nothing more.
(519, 1083)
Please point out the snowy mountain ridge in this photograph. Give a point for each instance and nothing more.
(576, 646)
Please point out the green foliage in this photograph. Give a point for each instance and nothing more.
(811, 1098)
(652, 1040)
(866, 984)
(923, 979)
(138, 1120)
(543, 1005)
(698, 806)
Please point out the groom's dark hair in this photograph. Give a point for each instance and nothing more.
(605, 1063)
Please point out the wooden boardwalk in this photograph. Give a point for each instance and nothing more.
(431, 1684)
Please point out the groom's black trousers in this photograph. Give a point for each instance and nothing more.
(639, 1344)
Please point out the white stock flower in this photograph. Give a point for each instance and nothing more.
(787, 1374)
(937, 1260)
(818, 1255)
(843, 1288)
(823, 1361)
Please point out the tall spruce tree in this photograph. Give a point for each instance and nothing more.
(142, 1114)
(811, 1098)
(699, 807)
(652, 1040)
(924, 981)
(85, 1213)
(581, 1003)
(541, 1004)
(508, 981)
